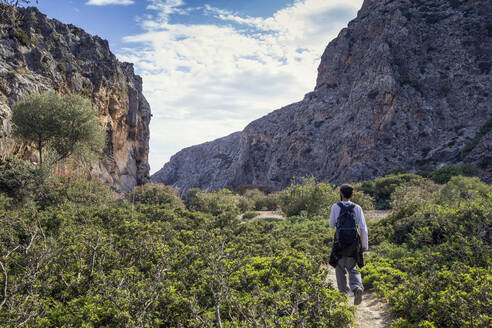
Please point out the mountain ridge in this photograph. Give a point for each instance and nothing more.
(405, 86)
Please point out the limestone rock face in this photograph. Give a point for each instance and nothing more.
(40, 54)
(213, 165)
(404, 87)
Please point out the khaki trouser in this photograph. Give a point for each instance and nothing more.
(344, 265)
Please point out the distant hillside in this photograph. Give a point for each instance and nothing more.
(37, 54)
(406, 86)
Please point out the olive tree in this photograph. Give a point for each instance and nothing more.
(66, 124)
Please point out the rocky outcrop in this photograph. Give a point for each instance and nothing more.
(404, 87)
(213, 164)
(44, 54)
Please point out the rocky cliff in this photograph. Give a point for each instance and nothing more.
(38, 54)
(404, 87)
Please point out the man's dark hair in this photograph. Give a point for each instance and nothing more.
(346, 190)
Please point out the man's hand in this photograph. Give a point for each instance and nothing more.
(364, 249)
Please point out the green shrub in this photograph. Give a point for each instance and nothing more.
(447, 298)
(22, 37)
(308, 198)
(461, 190)
(245, 204)
(431, 257)
(150, 265)
(414, 196)
(262, 201)
(76, 189)
(17, 178)
(381, 188)
(444, 174)
(6, 202)
(155, 194)
(215, 202)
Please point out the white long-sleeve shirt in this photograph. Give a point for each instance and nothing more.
(359, 220)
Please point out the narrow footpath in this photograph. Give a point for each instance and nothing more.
(371, 313)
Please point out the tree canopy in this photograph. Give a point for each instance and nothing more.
(67, 124)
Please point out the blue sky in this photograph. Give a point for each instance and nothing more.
(211, 67)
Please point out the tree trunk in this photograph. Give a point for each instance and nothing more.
(40, 149)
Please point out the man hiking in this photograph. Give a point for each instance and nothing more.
(348, 246)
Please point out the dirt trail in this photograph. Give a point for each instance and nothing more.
(371, 313)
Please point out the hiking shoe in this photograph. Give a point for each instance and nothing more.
(357, 296)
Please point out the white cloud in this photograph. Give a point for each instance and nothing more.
(109, 2)
(206, 81)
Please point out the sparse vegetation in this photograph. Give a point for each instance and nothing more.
(11, 76)
(61, 67)
(484, 129)
(22, 36)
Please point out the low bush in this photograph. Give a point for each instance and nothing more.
(413, 196)
(18, 178)
(155, 194)
(380, 189)
(76, 189)
(217, 202)
(444, 174)
(308, 198)
(262, 201)
(22, 37)
(461, 191)
(6, 203)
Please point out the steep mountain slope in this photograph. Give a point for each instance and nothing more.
(43, 54)
(404, 87)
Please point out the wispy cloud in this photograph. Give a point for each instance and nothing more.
(208, 80)
(109, 2)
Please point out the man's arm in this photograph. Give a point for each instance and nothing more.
(333, 218)
(363, 230)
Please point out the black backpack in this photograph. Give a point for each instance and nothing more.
(347, 238)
